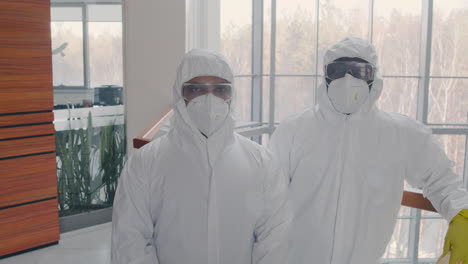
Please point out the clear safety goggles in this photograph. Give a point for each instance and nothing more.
(193, 90)
(361, 70)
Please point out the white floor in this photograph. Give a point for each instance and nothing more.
(88, 245)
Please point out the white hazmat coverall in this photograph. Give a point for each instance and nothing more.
(347, 173)
(185, 198)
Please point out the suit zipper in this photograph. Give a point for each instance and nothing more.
(210, 200)
(344, 144)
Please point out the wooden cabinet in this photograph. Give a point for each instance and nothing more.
(28, 181)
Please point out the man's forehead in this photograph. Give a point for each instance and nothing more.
(203, 79)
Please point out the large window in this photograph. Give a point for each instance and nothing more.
(67, 46)
(236, 45)
(88, 102)
(277, 46)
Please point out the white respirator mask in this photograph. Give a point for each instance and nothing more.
(208, 113)
(347, 94)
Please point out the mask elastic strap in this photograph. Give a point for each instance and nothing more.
(370, 83)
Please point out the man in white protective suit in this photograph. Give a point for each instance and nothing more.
(347, 161)
(201, 194)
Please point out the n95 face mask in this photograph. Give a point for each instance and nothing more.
(347, 94)
(208, 113)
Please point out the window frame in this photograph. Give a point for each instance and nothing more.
(85, 41)
(258, 126)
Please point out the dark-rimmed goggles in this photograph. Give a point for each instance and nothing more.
(361, 70)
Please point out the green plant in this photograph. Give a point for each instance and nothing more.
(112, 158)
(88, 166)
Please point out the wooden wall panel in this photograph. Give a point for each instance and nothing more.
(28, 226)
(25, 61)
(33, 118)
(25, 15)
(27, 179)
(26, 131)
(26, 146)
(20, 96)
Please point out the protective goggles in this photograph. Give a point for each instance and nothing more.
(361, 70)
(193, 90)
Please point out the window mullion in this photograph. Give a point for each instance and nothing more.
(465, 166)
(86, 66)
(422, 108)
(414, 230)
(425, 61)
(317, 24)
(371, 21)
(257, 60)
(272, 67)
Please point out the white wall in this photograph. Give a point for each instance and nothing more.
(203, 24)
(154, 44)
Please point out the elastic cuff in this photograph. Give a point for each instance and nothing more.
(464, 213)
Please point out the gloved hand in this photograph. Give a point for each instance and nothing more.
(456, 239)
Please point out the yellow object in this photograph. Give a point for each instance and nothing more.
(456, 239)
